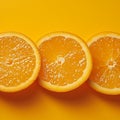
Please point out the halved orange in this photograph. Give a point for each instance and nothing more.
(65, 61)
(19, 62)
(105, 50)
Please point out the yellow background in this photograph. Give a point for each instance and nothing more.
(35, 18)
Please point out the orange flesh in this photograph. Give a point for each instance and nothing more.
(17, 61)
(62, 61)
(106, 62)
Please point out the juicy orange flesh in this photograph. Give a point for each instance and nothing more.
(62, 61)
(106, 62)
(17, 61)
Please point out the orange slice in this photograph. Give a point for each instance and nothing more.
(105, 50)
(19, 62)
(65, 62)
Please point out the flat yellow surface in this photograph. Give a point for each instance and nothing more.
(35, 18)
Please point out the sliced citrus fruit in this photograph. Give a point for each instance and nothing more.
(105, 50)
(65, 62)
(19, 62)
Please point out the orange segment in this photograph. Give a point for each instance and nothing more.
(65, 62)
(19, 62)
(105, 50)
